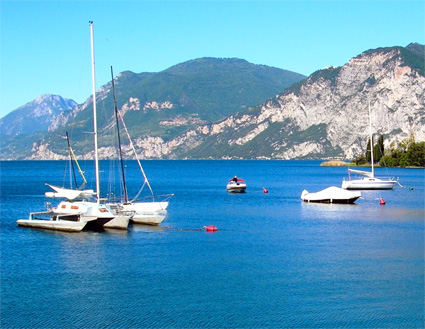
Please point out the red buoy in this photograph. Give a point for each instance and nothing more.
(381, 201)
(265, 190)
(211, 228)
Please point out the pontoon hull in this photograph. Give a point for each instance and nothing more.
(119, 222)
(149, 219)
(67, 226)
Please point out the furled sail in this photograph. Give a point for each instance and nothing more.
(69, 194)
(361, 172)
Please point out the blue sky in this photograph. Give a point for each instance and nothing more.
(45, 45)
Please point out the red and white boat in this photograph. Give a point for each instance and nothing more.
(236, 185)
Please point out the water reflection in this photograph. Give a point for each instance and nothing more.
(328, 210)
(146, 228)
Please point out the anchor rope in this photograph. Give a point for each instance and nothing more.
(410, 187)
(184, 229)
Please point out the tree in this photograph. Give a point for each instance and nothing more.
(416, 154)
(378, 149)
(368, 154)
(360, 160)
(407, 153)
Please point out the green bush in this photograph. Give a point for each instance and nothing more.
(407, 154)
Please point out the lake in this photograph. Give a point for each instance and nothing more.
(274, 262)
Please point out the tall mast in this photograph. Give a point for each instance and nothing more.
(71, 164)
(96, 157)
(371, 140)
(125, 196)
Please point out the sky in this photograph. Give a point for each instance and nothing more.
(45, 45)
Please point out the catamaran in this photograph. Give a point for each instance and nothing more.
(73, 215)
(369, 181)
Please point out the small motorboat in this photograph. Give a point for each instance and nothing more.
(236, 185)
(331, 194)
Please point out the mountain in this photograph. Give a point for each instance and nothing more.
(163, 104)
(36, 115)
(324, 115)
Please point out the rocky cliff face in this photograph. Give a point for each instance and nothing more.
(325, 116)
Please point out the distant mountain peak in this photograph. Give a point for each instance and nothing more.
(44, 109)
(417, 49)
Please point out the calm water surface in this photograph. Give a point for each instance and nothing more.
(275, 261)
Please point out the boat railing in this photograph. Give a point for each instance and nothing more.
(48, 206)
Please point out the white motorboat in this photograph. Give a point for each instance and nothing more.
(142, 212)
(236, 185)
(368, 181)
(331, 194)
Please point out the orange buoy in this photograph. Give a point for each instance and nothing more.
(211, 228)
(265, 190)
(381, 201)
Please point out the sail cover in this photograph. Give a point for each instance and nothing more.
(361, 172)
(69, 194)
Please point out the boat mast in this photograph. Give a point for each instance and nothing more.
(71, 164)
(96, 158)
(371, 140)
(125, 196)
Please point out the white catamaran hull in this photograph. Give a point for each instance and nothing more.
(155, 218)
(55, 221)
(120, 222)
(66, 226)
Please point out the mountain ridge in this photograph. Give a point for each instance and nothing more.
(302, 121)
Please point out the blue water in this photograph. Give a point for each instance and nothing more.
(275, 261)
